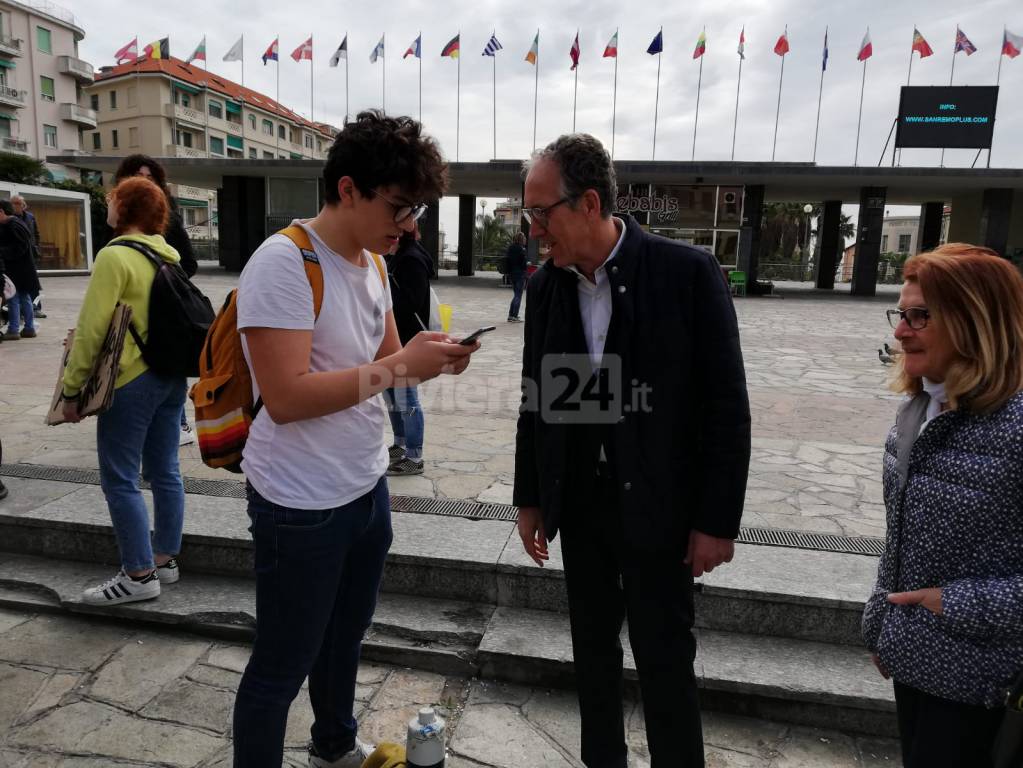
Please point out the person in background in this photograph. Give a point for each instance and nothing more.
(409, 269)
(175, 235)
(22, 212)
(17, 248)
(141, 425)
(517, 264)
(945, 619)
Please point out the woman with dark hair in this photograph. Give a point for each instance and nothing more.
(141, 425)
(945, 619)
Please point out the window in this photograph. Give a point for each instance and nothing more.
(50, 136)
(319, 146)
(96, 141)
(884, 243)
(5, 127)
(43, 41)
(131, 96)
(281, 131)
(216, 145)
(268, 155)
(904, 243)
(133, 137)
(113, 99)
(291, 136)
(94, 102)
(252, 122)
(216, 110)
(268, 128)
(113, 139)
(308, 141)
(253, 154)
(46, 89)
(186, 100)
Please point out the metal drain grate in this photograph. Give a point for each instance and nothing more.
(471, 510)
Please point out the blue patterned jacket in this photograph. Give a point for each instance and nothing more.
(957, 523)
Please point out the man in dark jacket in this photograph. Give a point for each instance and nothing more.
(516, 260)
(16, 244)
(409, 269)
(633, 441)
(29, 220)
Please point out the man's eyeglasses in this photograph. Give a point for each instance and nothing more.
(402, 210)
(541, 215)
(915, 317)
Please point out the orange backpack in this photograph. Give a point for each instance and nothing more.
(224, 408)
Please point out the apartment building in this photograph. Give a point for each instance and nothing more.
(41, 82)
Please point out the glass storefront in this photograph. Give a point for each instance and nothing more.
(63, 217)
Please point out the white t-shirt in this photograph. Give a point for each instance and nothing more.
(331, 460)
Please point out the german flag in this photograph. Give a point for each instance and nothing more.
(451, 49)
(159, 49)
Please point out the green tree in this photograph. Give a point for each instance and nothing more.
(489, 237)
(22, 170)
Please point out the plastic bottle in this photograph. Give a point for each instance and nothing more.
(424, 747)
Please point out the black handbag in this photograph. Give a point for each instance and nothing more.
(1008, 749)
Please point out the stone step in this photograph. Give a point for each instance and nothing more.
(810, 683)
(778, 591)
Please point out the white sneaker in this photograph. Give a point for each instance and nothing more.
(168, 573)
(123, 589)
(187, 434)
(353, 759)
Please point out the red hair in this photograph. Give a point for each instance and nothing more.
(141, 205)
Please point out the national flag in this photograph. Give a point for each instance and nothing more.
(824, 56)
(1011, 44)
(235, 54)
(271, 52)
(920, 45)
(158, 49)
(534, 50)
(657, 44)
(611, 49)
(963, 44)
(453, 47)
(378, 51)
(129, 53)
(492, 46)
(701, 45)
(574, 53)
(199, 54)
(741, 50)
(866, 47)
(782, 46)
(304, 51)
(340, 53)
(414, 49)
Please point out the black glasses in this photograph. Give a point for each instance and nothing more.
(402, 210)
(915, 317)
(541, 215)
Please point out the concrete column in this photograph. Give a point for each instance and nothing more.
(241, 202)
(466, 227)
(868, 241)
(429, 230)
(830, 244)
(928, 236)
(995, 218)
(748, 259)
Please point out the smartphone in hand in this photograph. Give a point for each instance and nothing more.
(472, 337)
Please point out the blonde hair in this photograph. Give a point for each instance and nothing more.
(975, 297)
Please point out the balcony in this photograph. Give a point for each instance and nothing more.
(10, 46)
(11, 97)
(15, 146)
(81, 71)
(173, 150)
(188, 115)
(76, 114)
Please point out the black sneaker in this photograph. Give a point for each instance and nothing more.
(405, 466)
(395, 453)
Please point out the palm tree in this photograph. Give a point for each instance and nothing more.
(489, 237)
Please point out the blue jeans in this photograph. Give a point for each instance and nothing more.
(406, 419)
(518, 280)
(141, 426)
(317, 577)
(20, 306)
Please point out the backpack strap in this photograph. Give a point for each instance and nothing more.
(380, 267)
(156, 261)
(311, 262)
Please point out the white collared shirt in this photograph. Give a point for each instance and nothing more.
(595, 302)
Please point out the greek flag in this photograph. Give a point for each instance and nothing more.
(493, 46)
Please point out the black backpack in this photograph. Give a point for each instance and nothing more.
(179, 317)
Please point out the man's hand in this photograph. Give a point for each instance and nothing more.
(708, 552)
(534, 539)
(928, 598)
(880, 667)
(71, 412)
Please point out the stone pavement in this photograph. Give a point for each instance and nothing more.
(820, 407)
(78, 693)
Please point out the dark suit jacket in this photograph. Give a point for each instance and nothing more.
(681, 463)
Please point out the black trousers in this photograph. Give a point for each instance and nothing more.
(941, 733)
(606, 583)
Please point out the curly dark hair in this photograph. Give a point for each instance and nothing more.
(376, 150)
(130, 167)
(584, 164)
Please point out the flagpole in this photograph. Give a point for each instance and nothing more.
(458, 97)
(243, 61)
(941, 161)
(657, 97)
(575, 94)
(1001, 55)
(614, 101)
(909, 75)
(347, 112)
(696, 122)
(820, 96)
(311, 102)
(859, 119)
(735, 123)
(383, 75)
(278, 131)
(536, 85)
(777, 112)
(420, 57)
(494, 57)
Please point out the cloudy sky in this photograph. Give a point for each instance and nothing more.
(109, 24)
